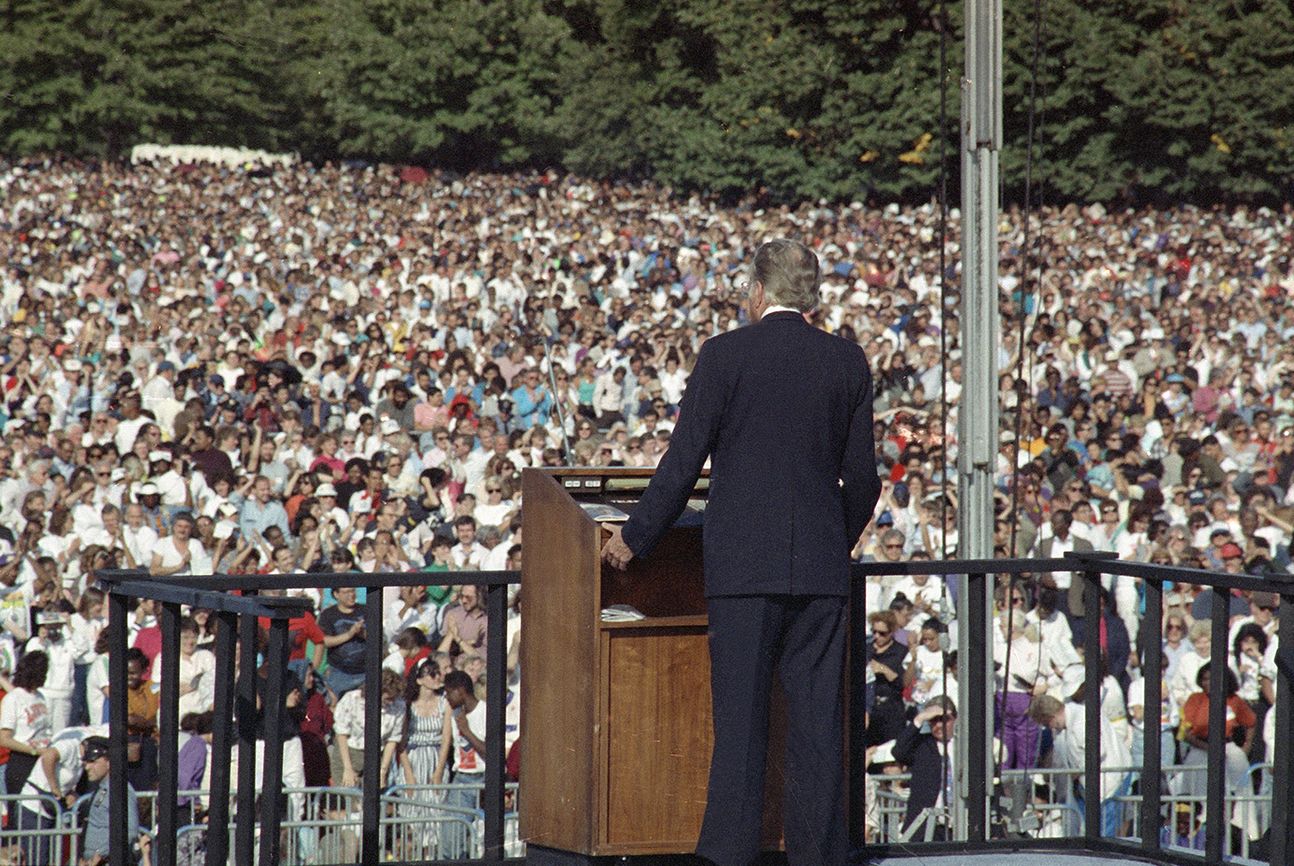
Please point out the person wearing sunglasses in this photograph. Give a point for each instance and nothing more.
(886, 658)
(923, 747)
(424, 750)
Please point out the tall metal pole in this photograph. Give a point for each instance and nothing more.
(981, 138)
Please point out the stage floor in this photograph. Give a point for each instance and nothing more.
(1011, 858)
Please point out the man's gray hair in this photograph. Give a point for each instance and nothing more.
(789, 272)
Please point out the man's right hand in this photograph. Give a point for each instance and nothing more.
(927, 714)
(615, 552)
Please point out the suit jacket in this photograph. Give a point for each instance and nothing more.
(920, 754)
(784, 412)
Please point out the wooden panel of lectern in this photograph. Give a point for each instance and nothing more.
(616, 727)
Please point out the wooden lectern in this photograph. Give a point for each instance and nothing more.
(616, 728)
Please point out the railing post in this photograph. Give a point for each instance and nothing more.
(226, 646)
(119, 845)
(496, 688)
(168, 733)
(1216, 823)
(245, 832)
(374, 646)
(272, 714)
(980, 711)
(1153, 669)
(1092, 704)
(857, 733)
(1282, 758)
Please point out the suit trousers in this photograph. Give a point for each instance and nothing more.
(803, 638)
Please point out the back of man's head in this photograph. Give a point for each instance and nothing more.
(789, 272)
(1044, 708)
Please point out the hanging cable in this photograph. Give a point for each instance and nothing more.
(1021, 316)
(1021, 377)
(946, 785)
(1037, 108)
(943, 275)
(1036, 82)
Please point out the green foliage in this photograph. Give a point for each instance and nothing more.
(468, 82)
(96, 77)
(1156, 98)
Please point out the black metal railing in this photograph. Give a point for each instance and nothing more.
(236, 634)
(236, 699)
(975, 577)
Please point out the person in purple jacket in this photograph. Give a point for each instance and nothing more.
(192, 759)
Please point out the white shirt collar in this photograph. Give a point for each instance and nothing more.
(776, 308)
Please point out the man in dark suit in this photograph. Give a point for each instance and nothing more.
(783, 411)
(920, 746)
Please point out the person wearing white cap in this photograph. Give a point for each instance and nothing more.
(333, 519)
(170, 483)
(225, 515)
(68, 385)
(51, 638)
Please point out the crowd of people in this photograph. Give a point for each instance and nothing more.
(302, 368)
(1148, 413)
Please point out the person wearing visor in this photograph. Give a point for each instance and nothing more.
(95, 766)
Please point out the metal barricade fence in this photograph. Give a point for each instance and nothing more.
(322, 826)
(43, 830)
(1248, 809)
(239, 691)
(891, 807)
(420, 825)
(36, 831)
(253, 742)
(1058, 818)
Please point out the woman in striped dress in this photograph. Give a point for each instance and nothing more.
(424, 754)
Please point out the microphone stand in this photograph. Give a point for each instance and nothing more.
(557, 404)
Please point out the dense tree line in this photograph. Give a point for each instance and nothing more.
(1136, 98)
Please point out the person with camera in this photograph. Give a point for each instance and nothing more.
(50, 638)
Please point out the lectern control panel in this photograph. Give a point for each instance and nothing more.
(603, 493)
